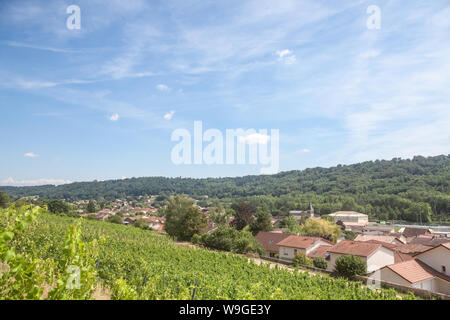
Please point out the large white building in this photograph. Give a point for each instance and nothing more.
(350, 217)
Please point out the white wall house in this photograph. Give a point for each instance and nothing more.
(292, 245)
(375, 255)
(429, 270)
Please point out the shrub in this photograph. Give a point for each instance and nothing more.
(229, 239)
(349, 266)
(320, 263)
(301, 259)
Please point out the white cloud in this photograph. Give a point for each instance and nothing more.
(255, 138)
(11, 182)
(162, 87)
(169, 115)
(114, 117)
(286, 56)
(283, 53)
(305, 150)
(30, 155)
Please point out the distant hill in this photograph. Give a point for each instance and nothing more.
(419, 179)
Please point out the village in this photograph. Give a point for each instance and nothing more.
(406, 256)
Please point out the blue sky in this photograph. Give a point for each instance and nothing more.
(101, 102)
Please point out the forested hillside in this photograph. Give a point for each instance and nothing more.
(413, 189)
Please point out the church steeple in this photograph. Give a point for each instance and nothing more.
(310, 207)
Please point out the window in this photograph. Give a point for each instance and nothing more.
(444, 269)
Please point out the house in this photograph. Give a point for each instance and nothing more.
(381, 238)
(374, 230)
(351, 217)
(429, 270)
(292, 245)
(414, 232)
(269, 241)
(399, 256)
(429, 241)
(319, 252)
(376, 255)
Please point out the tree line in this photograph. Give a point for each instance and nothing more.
(415, 189)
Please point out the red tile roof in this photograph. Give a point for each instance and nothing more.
(445, 245)
(415, 270)
(356, 248)
(269, 240)
(319, 252)
(300, 241)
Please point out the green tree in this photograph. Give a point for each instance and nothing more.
(348, 266)
(183, 220)
(142, 224)
(220, 215)
(91, 207)
(4, 200)
(301, 259)
(114, 219)
(292, 225)
(321, 228)
(320, 263)
(263, 220)
(243, 215)
(58, 206)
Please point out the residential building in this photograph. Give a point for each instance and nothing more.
(429, 270)
(269, 241)
(292, 245)
(381, 238)
(376, 255)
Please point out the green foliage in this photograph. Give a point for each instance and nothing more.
(114, 219)
(142, 224)
(301, 259)
(91, 207)
(4, 200)
(349, 235)
(262, 222)
(26, 274)
(243, 215)
(320, 263)
(321, 228)
(129, 254)
(384, 190)
(220, 215)
(348, 266)
(183, 220)
(229, 239)
(58, 206)
(292, 225)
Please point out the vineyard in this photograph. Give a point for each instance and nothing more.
(36, 249)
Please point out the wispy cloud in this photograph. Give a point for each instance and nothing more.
(114, 117)
(30, 155)
(12, 182)
(162, 87)
(169, 115)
